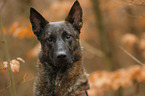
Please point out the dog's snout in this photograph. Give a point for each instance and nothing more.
(61, 54)
(61, 49)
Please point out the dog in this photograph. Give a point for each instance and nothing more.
(59, 69)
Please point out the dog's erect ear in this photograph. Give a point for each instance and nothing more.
(75, 16)
(37, 21)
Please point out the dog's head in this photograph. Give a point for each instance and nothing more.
(59, 40)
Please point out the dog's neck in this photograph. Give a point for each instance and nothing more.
(56, 80)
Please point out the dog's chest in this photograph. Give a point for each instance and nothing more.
(57, 84)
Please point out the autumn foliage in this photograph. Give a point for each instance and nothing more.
(102, 81)
(19, 30)
(15, 64)
(123, 24)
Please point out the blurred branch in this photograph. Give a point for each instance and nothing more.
(92, 49)
(4, 2)
(5, 88)
(8, 59)
(130, 55)
(16, 84)
(5, 47)
(104, 40)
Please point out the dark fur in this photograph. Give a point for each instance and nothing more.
(60, 71)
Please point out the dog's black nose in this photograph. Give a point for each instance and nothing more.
(61, 54)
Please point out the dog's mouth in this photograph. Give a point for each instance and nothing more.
(63, 62)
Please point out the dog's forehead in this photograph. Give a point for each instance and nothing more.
(59, 27)
(57, 23)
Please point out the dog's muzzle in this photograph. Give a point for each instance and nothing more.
(61, 55)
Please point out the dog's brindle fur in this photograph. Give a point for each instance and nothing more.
(60, 71)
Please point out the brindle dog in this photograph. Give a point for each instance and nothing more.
(60, 71)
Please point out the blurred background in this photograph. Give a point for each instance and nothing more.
(109, 25)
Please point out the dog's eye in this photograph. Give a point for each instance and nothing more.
(50, 39)
(68, 37)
